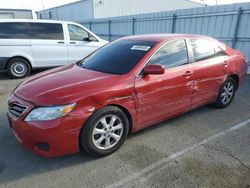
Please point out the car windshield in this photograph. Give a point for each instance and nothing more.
(118, 57)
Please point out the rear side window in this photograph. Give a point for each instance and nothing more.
(14, 30)
(205, 49)
(172, 54)
(46, 31)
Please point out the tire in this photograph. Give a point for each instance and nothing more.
(105, 131)
(18, 68)
(226, 93)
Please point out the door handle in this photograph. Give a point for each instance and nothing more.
(188, 73)
(225, 63)
(72, 42)
(60, 42)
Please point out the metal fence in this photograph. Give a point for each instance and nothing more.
(228, 23)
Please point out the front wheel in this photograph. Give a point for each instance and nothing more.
(226, 93)
(105, 131)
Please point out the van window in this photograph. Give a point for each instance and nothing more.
(77, 33)
(47, 31)
(14, 30)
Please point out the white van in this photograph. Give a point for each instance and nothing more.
(29, 44)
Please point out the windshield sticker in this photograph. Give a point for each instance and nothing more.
(139, 47)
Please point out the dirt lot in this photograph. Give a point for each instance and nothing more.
(207, 147)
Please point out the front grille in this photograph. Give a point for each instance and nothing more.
(16, 110)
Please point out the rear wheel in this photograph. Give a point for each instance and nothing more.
(105, 131)
(226, 93)
(18, 68)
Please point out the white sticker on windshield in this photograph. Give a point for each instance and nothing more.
(139, 47)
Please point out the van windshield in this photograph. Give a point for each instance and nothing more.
(118, 57)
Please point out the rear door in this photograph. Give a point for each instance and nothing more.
(81, 43)
(48, 44)
(210, 69)
(160, 96)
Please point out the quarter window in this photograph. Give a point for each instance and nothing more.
(14, 30)
(77, 33)
(205, 49)
(172, 54)
(47, 31)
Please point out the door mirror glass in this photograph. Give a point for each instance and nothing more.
(154, 69)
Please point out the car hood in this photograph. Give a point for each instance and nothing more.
(63, 85)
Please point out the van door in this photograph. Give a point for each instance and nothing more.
(48, 44)
(81, 43)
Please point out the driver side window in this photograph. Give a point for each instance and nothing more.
(77, 33)
(173, 54)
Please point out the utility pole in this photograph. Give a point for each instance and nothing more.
(43, 4)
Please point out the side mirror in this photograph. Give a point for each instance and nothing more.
(86, 39)
(154, 69)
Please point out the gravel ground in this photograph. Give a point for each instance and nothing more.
(207, 147)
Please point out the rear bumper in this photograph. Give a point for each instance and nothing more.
(3, 62)
(243, 75)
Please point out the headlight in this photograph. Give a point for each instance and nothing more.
(49, 113)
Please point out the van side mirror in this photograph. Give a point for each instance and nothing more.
(154, 69)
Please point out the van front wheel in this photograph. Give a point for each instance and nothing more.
(18, 68)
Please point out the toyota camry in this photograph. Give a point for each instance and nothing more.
(128, 85)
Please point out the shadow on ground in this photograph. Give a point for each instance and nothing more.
(5, 76)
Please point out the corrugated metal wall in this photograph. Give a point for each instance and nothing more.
(71, 12)
(111, 8)
(228, 23)
(15, 13)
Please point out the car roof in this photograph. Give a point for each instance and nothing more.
(33, 21)
(162, 37)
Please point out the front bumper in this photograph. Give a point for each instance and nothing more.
(47, 138)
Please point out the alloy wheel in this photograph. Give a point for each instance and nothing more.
(227, 93)
(107, 132)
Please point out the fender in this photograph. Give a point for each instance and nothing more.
(22, 54)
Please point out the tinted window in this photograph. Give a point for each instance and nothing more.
(172, 54)
(14, 30)
(205, 49)
(47, 31)
(77, 33)
(118, 57)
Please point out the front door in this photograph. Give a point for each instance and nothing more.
(161, 96)
(81, 43)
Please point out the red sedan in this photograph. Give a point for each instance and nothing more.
(129, 84)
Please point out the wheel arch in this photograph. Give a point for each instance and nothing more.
(125, 110)
(127, 113)
(18, 56)
(236, 78)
